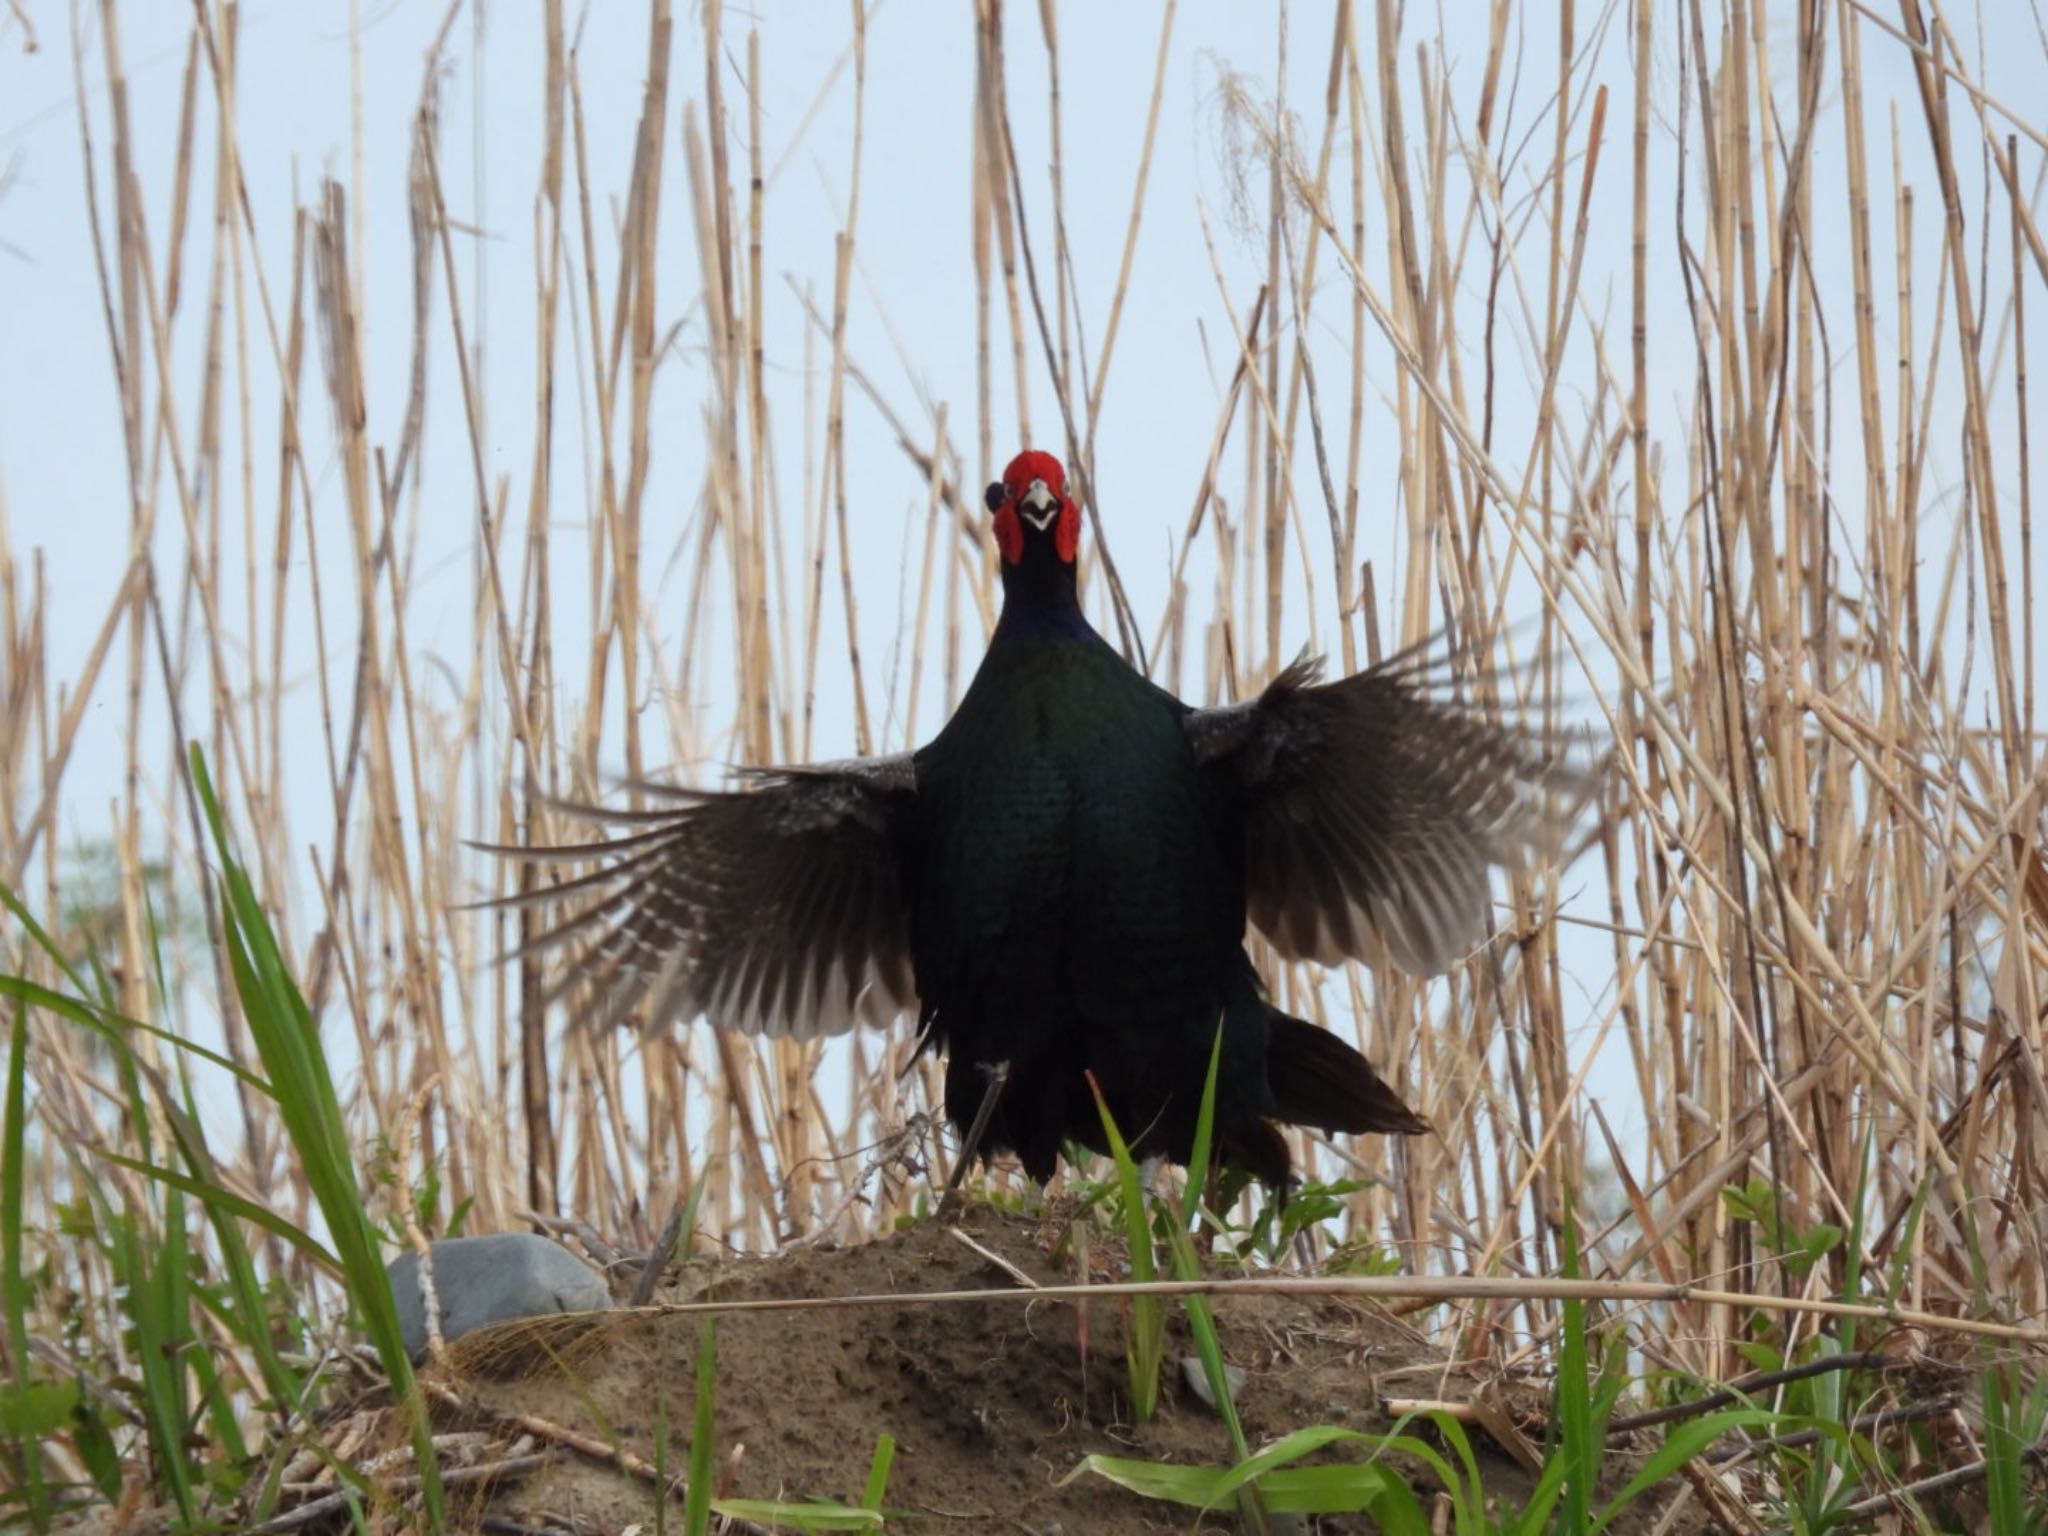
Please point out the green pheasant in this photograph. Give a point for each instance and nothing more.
(1058, 884)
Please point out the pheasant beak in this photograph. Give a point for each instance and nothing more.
(1039, 505)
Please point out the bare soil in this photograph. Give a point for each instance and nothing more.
(990, 1405)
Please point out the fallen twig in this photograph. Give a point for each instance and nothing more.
(994, 1258)
(583, 1445)
(1955, 1477)
(657, 1258)
(606, 1253)
(1389, 1287)
(1748, 1386)
(1884, 1418)
(307, 1513)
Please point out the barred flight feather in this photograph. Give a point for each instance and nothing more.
(1376, 811)
(773, 909)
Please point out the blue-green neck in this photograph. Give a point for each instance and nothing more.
(1040, 596)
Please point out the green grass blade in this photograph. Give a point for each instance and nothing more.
(95, 1446)
(878, 1472)
(1453, 1435)
(111, 1026)
(1284, 1488)
(1170, 1482)
(1289, 1448)
(697, 1500)
(1209, 1348)
(1467, 1494)
(41, 939)
(244, 1312)
(170, 1281)
(1684, 1443)
(1145, 1350)
(2005, 1473)
(1533, 1518)
(282, 1028)
(1346, 1488)
(13, 1277)
(1188, 1262)
(156, 1359)
(1581, 1448)
(1187, 1265)
(217, 1398)
(234, 1205)
(1205, 1127)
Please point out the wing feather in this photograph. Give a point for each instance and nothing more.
(1375, 808)
(776, 909)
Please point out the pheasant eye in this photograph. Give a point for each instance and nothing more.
(992, 498)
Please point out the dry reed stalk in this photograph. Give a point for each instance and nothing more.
(1821, 863)
(1383, 1287)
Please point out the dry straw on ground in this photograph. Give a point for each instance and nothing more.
(1826, 901)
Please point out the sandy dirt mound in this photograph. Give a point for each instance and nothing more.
(990, 1405)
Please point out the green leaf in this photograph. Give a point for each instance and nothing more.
(112, 1027)
(1533, 1519)
(1467, 1497)
(1820, 1239)
(14, 1286)
(36, 1409)
(1144, 1350)
(235, 1205)
(1337, 1489)
(1169, 1482)
(697, 1498)
(878, 1472)
(287, 1042)
(1683, 1443)
(1760, 1357)
(2005, 1471)
(1340, 1489)
(1289, 1448)
(49, 946)
(96, 1449)
(1205, 1124)
(1187, 1264)
(156, 1348)
(1345, 1488)
(243, 1309)
(1583, 1447)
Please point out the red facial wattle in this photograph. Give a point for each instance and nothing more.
(1009, 533)
(1027, 478)
(1066, 533)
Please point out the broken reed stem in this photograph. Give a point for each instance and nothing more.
(1429, 1289)
(606, 1452)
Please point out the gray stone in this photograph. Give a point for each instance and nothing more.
(1197, 1379)
(482, 1280)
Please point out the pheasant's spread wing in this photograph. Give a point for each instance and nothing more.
(776, 909)
(1373, 810)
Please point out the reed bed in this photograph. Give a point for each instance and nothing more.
(1672, 356)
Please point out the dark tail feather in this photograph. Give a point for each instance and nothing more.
(1317, 1080)
(1261, 1151)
